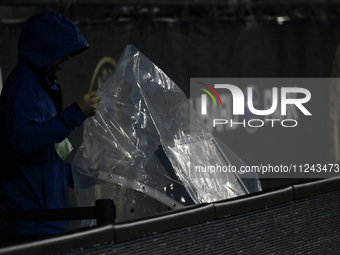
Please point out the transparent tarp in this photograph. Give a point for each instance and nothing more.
(148, 149)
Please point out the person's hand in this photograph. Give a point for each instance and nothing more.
(89, 103)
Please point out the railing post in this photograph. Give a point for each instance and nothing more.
(106, 211)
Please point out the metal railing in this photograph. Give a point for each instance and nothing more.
(104, 212)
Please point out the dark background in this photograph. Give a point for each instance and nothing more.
(185, 47)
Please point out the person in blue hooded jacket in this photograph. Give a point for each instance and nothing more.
(34, 126)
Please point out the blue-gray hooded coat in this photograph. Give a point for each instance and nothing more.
(32, 121)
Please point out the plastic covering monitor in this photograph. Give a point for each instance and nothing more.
(148, 149)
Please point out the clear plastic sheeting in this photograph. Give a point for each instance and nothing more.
(147, 148)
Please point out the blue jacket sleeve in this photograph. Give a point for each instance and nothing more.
(30, 126)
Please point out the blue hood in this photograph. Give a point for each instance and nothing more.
(46, 37)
